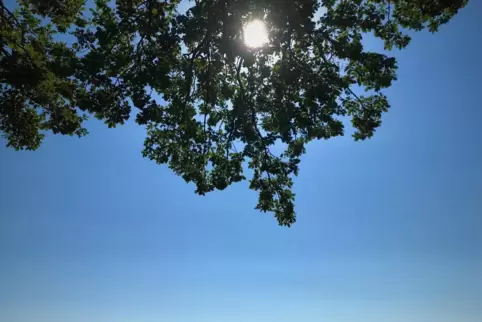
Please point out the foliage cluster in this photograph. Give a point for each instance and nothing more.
(224, 103)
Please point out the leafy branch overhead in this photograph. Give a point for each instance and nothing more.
(223, 103)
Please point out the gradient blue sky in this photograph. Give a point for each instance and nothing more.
(388, 229)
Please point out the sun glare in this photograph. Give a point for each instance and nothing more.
(255, 34)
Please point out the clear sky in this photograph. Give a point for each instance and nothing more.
(388, 229)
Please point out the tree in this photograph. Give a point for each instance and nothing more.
(225, 103)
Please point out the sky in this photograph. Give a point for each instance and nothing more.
(388, 229)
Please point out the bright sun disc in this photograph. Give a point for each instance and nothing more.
(255, 34)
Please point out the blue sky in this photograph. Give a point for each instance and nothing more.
(388, 229)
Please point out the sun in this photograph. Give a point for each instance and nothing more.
(255, 34)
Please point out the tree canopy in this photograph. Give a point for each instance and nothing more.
(223, 103)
